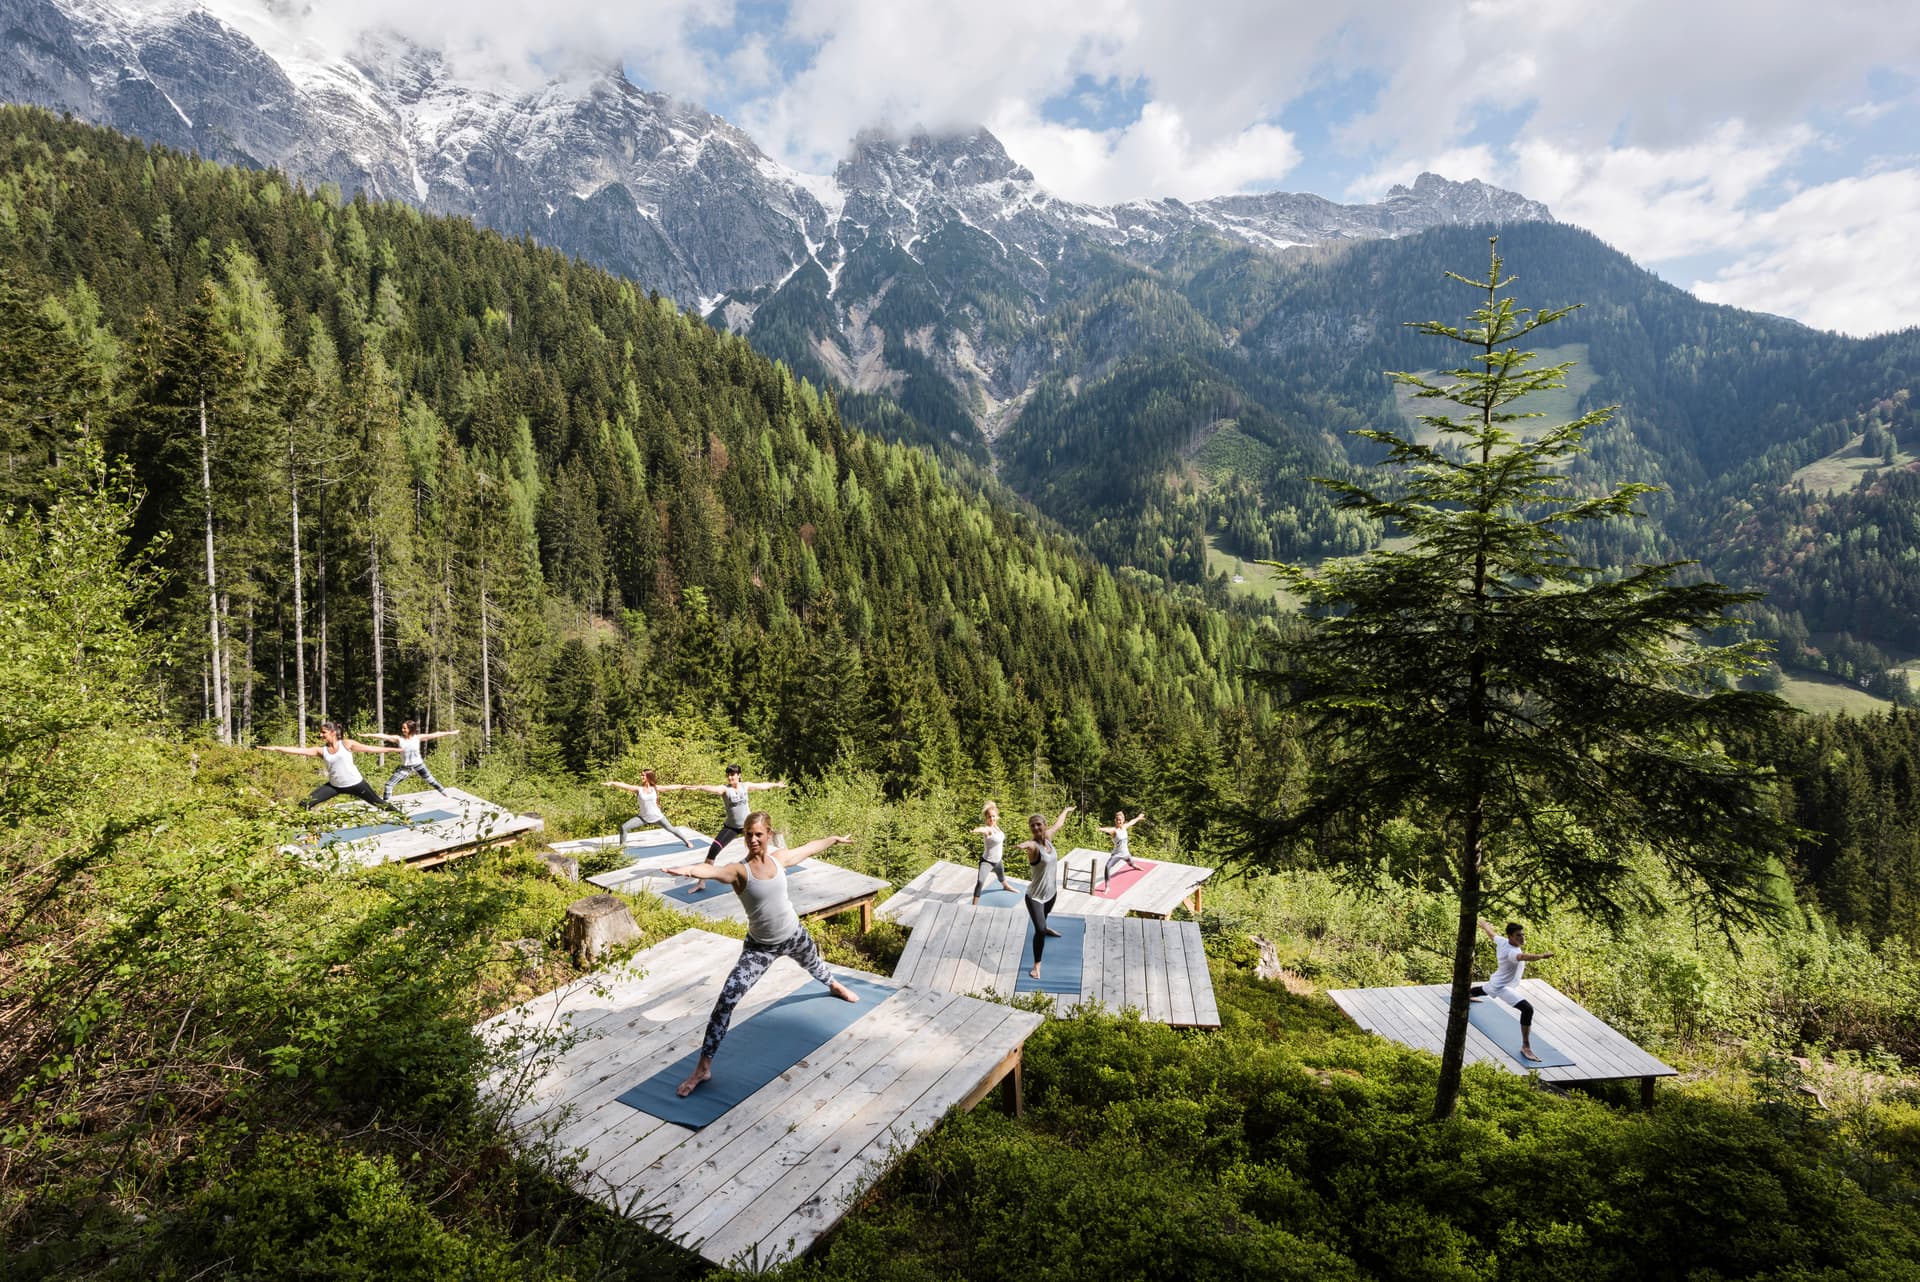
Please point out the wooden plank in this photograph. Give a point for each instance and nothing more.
(1179, 986)
(1136, 962)
(1014, 939)
(1092, 962)
(1113, 965)
(1205, 1013)
(862, 1150)
(766, 1195)
(1159, 1001)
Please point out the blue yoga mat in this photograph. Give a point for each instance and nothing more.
(1504, 1029)
(1060, 968)
(757, 1050)
(377, 830)
(683, 892)
(995, 897)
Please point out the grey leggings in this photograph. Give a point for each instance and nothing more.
(1114, 859)
(687, 835)
(755, 957)
(404, 772)
(1038, 911)
(989, 868)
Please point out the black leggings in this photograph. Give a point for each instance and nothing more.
(1524, 1006)
(362, 790)
(1038, 911)
(727, 834)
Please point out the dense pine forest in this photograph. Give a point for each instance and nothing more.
(273, 456)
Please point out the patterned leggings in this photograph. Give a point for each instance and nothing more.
(687, 836)
(404, 772)
(755, 957)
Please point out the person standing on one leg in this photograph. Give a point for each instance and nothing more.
(992, 863)
(412, 763)
(343, 776)
(647, 792)
(773, 928)
(1119, 834)
(1043, 880)
(1505, 984)
(738, 797)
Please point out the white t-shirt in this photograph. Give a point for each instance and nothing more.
(341, 772)
(1508, 970)
(410, 751)
(991, 846)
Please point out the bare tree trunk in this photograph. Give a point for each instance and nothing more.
(320, 575)
(218, 699)
(379, 621)
(246, 691)
(226, 665)
(486, 671)
(1453, 1049)
(299, 605)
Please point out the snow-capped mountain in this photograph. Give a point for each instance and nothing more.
(660, 191)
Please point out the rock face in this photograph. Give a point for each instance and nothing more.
(595, 926)
(941, 246)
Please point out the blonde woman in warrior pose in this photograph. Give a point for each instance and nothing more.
(773, 928)
(1043, 879)
(993, 843)
(1119, 834)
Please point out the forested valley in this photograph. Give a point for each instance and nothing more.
(275, 457)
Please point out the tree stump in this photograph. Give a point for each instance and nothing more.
(565, 867)
(596, 925)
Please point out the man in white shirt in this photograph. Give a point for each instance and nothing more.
(1505, 983)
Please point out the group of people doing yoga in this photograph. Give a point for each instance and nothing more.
(344, 779)
(735, 792)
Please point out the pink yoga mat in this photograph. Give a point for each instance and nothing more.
(1123, 878)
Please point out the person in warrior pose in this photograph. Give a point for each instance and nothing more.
(1043, 879)
(343, 776)
(1119, 834)
(737, 796)
(1505, 984)
(773, 928)
(648, 793)
(994, 841)
(409, 741)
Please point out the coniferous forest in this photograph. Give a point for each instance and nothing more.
(274, 457)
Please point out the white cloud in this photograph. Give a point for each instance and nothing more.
(1837, 256)
(1156, 155)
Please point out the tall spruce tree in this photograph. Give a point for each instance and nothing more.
(1541, 719)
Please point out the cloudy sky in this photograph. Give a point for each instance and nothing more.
(1761, 153)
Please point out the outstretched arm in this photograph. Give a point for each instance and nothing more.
(762, 787)
(819, 845)
(713, 788)
(391, 738)
(615, 783)
(729, 873)
(291, 752)
(1139, 818)
(1117, 828)
(1535, 956)
(354, 745)
(1053, 829)
(437, 734)
(981, 831)
(1489, 929)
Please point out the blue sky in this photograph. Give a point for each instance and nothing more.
(1760, 152)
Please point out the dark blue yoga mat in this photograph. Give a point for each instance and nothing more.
(1504, 1028)
(682, 893)
(377, 830)
(757, 1050)
(995, 897)
(1060, 968)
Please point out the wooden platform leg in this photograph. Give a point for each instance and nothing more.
(1010, 1087)
(1193, 901)
(866, 915)
(1646, 1094)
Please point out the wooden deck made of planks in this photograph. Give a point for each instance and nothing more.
(1165, 887)
(1158, 968)
(817, 887)
(782, 1167)
(471, 822)
(1416, 1015)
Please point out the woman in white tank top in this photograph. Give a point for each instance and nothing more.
(1043, 880)
(992, 847)
(647, 793)
(343, 776)
(773, 928)
(1120, 845)
(413, 762)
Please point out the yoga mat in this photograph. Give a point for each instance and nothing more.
(1060, 968)
(1123, 879)
(683, 892)
(360, 833)
(994, 897)
(757, 1050)
(1504, 1028)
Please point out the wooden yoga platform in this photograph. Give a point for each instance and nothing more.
(817, 887)
(1158, 968)
(1164, 888)
(782, 1167)
(1415, 1015)
(446, 826)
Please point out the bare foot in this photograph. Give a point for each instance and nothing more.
(1526, 1052)
(700, 1074)
(841, 991)
(1035, 972)
(1052, 933)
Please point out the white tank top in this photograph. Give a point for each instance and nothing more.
(770, 915)
(341, 772)
(993, 846)
(736, 799)
(1120, 843)
(410, 751)
(1043, 873)
(650, 805)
